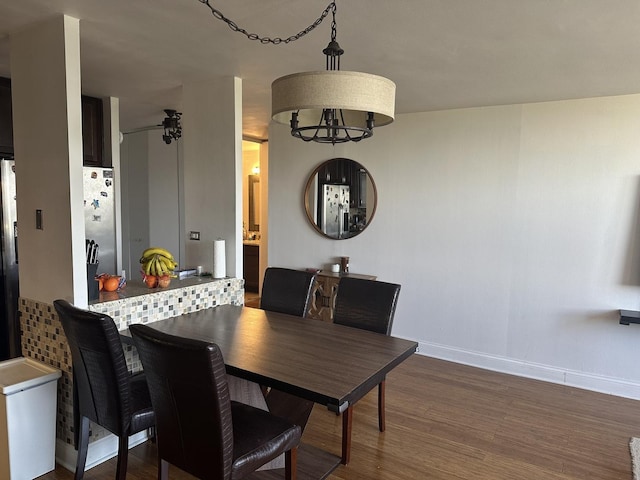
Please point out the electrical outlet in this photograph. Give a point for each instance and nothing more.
(194, 235)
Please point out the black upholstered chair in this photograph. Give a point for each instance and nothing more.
(369, 305)
(104, 391)
(199, 429)
(286, 290)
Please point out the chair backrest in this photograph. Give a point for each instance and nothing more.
(286, 290)
(190, 397)
(100, 375)
(366, 304)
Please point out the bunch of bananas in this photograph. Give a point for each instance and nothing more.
(158, 262)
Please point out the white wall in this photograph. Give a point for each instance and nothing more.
(513, 230)
(134, 160)
(151, 196)
(165, 194)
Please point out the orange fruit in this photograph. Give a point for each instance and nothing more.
(111, 284)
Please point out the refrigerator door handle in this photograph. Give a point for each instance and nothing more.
(15, 238)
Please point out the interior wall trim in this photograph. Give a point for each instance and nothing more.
(571, 378)
(99, 451)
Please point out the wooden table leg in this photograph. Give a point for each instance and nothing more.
(347, 420)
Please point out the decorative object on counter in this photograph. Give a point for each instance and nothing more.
(110, 283)
(158, 265)
(340, 198)
(187, 272)
(330, 106)
(219, 259)
(344, 264)
(92, 249)
(93, 287)
(172, 126)
(199, 270)
(335, 268)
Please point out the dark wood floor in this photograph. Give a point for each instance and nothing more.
(447, 421)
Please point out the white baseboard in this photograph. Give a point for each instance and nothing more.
(572, 378)
(99, 451)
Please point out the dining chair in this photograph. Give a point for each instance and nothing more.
(368, 305)
(104, 392)
(286, 290)
(199, 428)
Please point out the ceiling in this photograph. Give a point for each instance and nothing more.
(441, 54)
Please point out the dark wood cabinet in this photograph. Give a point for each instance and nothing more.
(6, 122)
(92, 127)
(251, 259)
(92, 133)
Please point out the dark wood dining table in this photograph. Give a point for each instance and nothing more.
(328, 364)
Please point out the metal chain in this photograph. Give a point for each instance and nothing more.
(277, 40)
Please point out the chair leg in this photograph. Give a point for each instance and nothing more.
(291, 464)
(381, 411)
(123, 457)
(163, 469)
(82, 436)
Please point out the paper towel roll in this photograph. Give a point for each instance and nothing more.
(219, 259)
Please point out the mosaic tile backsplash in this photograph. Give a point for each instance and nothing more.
(43, 338)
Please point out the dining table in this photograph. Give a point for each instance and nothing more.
(311, 360)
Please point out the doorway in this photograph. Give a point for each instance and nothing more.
(253, 215)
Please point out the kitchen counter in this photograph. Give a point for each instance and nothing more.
(136, 303)
(135, 288)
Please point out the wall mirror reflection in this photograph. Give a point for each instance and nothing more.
(340, 198)
(254, 203)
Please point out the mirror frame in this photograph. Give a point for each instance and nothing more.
(307, 207)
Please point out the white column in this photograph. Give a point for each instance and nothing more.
(212, 152)
(111, 109)
(47, 129)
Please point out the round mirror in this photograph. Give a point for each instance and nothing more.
(340, 198)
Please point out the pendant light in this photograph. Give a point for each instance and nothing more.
(333, 106)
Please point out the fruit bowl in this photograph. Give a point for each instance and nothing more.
(153, 281)
(110, 283)
(157, 266)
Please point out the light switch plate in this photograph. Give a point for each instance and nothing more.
(194, 235)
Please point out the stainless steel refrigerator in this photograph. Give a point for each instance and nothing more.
(99, 210)
(99, 216)
(334, 215)
(10, 326)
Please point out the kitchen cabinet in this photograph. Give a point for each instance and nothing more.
(251, 260)
(92, 133)
(92, 127)
(6, 122)
(324, 293)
